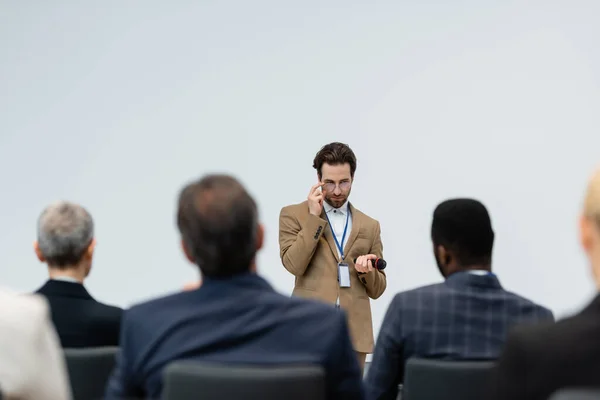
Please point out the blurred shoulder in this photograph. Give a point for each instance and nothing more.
(22, 312)
(530, 304)
(563, 337)
(33, 304)
(109, 309)
(420, 294)
(156, 304)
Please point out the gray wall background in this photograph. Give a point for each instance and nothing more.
(117, 104)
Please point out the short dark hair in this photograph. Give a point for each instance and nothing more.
(335, 153)
(218, 222)
(463, 226)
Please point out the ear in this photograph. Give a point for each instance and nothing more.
(586, 233)
(187, 252)
(443, 255)
(89, 253)
(38, 252)
(260, 236)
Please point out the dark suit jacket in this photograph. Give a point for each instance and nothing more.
(537, 361)
(238, 320)
(80, 320)
(466, 317)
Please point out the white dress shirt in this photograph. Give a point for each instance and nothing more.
(480, 272)
(65, 279)
(337, 218)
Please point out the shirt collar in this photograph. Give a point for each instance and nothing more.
(65, 279)
(329, 208)
(480, 272)
(466, 278)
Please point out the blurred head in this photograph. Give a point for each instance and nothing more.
(65, 238)
(590, 225)
(218, 222)
(462, 236)
(335, 164)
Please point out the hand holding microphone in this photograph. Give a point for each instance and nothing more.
(368, 263)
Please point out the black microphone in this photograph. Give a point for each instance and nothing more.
(378, 263)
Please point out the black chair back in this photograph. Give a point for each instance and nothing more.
(186, 380)
(576, 394)
(427, 379)
(89, 371)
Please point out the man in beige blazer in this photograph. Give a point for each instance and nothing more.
(32, 365)
(330, 246)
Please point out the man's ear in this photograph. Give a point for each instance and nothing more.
(38, 252)
(443, 256)
(89, 253)
(260, 236)
(187, 252)
(586, 233)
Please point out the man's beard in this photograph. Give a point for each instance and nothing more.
(336, 203)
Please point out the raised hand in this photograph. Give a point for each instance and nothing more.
(315, 199)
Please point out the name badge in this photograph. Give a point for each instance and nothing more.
(344, 274)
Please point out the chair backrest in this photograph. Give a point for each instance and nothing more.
(576, 394)
(89, 371)
(187, 380)
(427, 379)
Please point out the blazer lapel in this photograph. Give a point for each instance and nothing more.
(356, 222)
(329, 236)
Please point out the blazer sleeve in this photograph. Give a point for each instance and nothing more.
(50, 380)
(298, 242)
(375, 281)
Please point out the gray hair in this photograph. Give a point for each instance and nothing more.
(65, 231)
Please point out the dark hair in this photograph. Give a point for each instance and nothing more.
(335, 153)
(463, 227)
(218, 222)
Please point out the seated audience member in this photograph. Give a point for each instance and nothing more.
(32, 366)
(66, 243)
(537, 361)
(234, 316)
(465, 317)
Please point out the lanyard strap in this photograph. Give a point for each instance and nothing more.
(340, 246)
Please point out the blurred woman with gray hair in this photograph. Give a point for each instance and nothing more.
(66, 243)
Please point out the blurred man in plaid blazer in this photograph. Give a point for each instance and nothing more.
(467, 317)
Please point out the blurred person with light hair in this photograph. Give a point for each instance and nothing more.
(66, 243)
(32, 366)
(539, 361)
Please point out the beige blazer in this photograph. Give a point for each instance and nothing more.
(308, 250)
(32, 365)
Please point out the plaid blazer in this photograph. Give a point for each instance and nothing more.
(467, 317)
